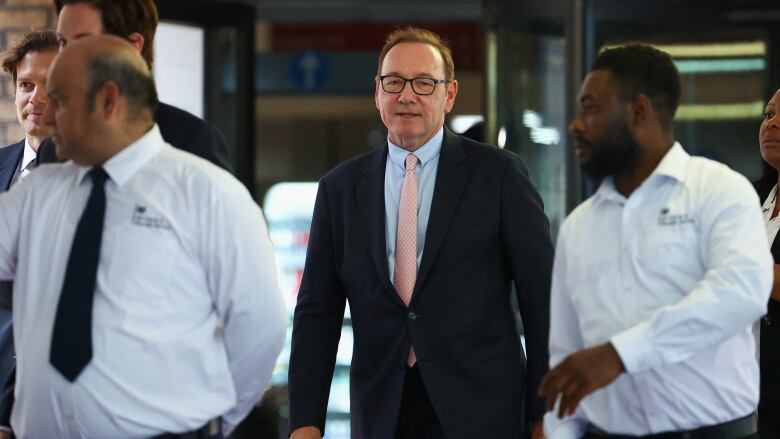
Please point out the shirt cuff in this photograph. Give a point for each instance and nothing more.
(568, 428)
(5, 428)
(634, 349)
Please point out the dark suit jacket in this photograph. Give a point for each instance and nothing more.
(10, 156)
(179, 128)
(487, 230)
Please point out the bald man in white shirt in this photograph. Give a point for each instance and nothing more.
(159, 314)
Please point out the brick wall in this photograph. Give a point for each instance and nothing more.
(17, 17)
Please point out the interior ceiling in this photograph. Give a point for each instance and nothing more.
(365, 10)
(448, 10)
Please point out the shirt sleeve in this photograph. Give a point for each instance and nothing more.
(242, 278)
(732, 294)
(565, 339)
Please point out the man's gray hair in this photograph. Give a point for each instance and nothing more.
(136, 85)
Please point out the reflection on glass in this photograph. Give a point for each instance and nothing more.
(288, 209)
(532, 112)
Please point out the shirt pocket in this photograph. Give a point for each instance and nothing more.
(669, 259)
(143, 257)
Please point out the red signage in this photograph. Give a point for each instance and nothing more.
(464, 37)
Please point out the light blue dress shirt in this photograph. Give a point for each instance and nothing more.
(395, 171)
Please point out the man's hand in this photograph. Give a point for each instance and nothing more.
(309, 432)
(537, 430)
(5, 434)
(579, 375)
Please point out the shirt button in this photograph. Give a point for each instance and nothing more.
(411, 316)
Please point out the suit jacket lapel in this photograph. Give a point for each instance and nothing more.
(9, 161)
(371, 209)
(450, 179)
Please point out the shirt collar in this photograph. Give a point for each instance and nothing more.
(28, 155)
(123, 165)
(674, 164)
(425, 154)
(607, 191)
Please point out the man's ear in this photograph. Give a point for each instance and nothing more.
(640, 109)
(107, 100)
(137, 40)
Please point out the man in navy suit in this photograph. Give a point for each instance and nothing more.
(136, 21)
(28, 64)
(436, 351)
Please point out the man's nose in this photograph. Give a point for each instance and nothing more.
(39, 96)
(407, 93)
(575, 127)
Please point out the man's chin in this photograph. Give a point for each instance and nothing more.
(37, 131)
(591, 171)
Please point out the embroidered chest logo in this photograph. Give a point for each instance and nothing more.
(668, 219)
(144, 219)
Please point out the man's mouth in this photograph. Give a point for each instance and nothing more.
(582, 148)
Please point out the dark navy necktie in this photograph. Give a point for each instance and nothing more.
(71, 340)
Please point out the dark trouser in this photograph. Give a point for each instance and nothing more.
(742, 428)
(769, 404)
(416, 419)
(670, 436)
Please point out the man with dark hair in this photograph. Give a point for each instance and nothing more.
(136, 21)
(658, 277)
(28, 64)
(149, 321)
(425, 239)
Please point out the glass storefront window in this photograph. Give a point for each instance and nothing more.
(288, 209)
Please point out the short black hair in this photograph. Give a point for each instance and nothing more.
(137, 86)
(643, 69)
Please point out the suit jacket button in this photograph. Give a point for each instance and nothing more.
(411, 316)
(401, 364)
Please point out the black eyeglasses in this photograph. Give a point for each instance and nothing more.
(420, 86)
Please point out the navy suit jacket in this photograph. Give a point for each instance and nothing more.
(179, 128)
(487, 231)
(10, 156)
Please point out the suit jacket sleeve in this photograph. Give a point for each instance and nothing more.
(317, 323)
(526, 239)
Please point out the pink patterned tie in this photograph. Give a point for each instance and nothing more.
(406, 241)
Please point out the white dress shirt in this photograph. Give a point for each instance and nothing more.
(24, 169)
(187, 320)
(673, 276)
